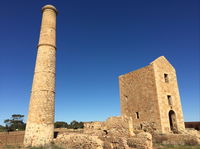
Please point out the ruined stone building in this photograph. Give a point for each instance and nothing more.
(150, 96)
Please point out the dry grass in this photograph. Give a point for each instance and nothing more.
(160, 146)
(20, 147)
(46, 147)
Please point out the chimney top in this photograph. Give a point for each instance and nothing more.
(49, 7)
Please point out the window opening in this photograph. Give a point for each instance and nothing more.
(169, 97)
(166, 77)
(137, 115)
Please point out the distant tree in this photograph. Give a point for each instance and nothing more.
(15, 123)
(60, 125)
(75, 125)
(81, 125)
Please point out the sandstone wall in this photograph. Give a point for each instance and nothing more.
(174, 139)
(138, 97)
(91, 141)
(164, 89)
(94, 125)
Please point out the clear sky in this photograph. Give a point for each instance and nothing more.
(96, 42)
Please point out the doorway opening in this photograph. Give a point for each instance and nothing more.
(172, 121)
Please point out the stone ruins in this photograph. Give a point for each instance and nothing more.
(150, 105)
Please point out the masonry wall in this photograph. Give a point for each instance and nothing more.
(138, 94)
(161, 66)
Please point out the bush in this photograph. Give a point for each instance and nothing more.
(60, 125)
(75, 125)
(2, 128)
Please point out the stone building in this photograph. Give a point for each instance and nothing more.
(150, 96)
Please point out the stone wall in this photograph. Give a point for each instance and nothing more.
(118, 125)
(93, 125)
(195, 125)
(82, 141)
(164, 89)
(87, 141)
(138, 97)
(174, 139)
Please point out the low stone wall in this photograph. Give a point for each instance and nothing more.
(142, 141)
(81, 141)
(194, 125)
(87, 141)
(180, 139)
(118, 126)
(192, 132)
(93, 125)
(11, 138)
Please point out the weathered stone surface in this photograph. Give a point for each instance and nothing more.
(192, 132)
(117, 133)
(118, 126)
(40, 123)
(94, 125)
(142, 141)
(88, 141)
(182, 139)
(109, 141)
(149, 95)
(81, 141)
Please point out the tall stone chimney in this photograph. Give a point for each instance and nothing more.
(40, 123)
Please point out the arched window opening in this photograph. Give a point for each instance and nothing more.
(172, 121)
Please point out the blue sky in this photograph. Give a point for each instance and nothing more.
(96, 42)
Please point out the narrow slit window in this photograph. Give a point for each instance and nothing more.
(137, 115)
(169, 97)
(166, 77)
(126, 97)
(141, 126)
